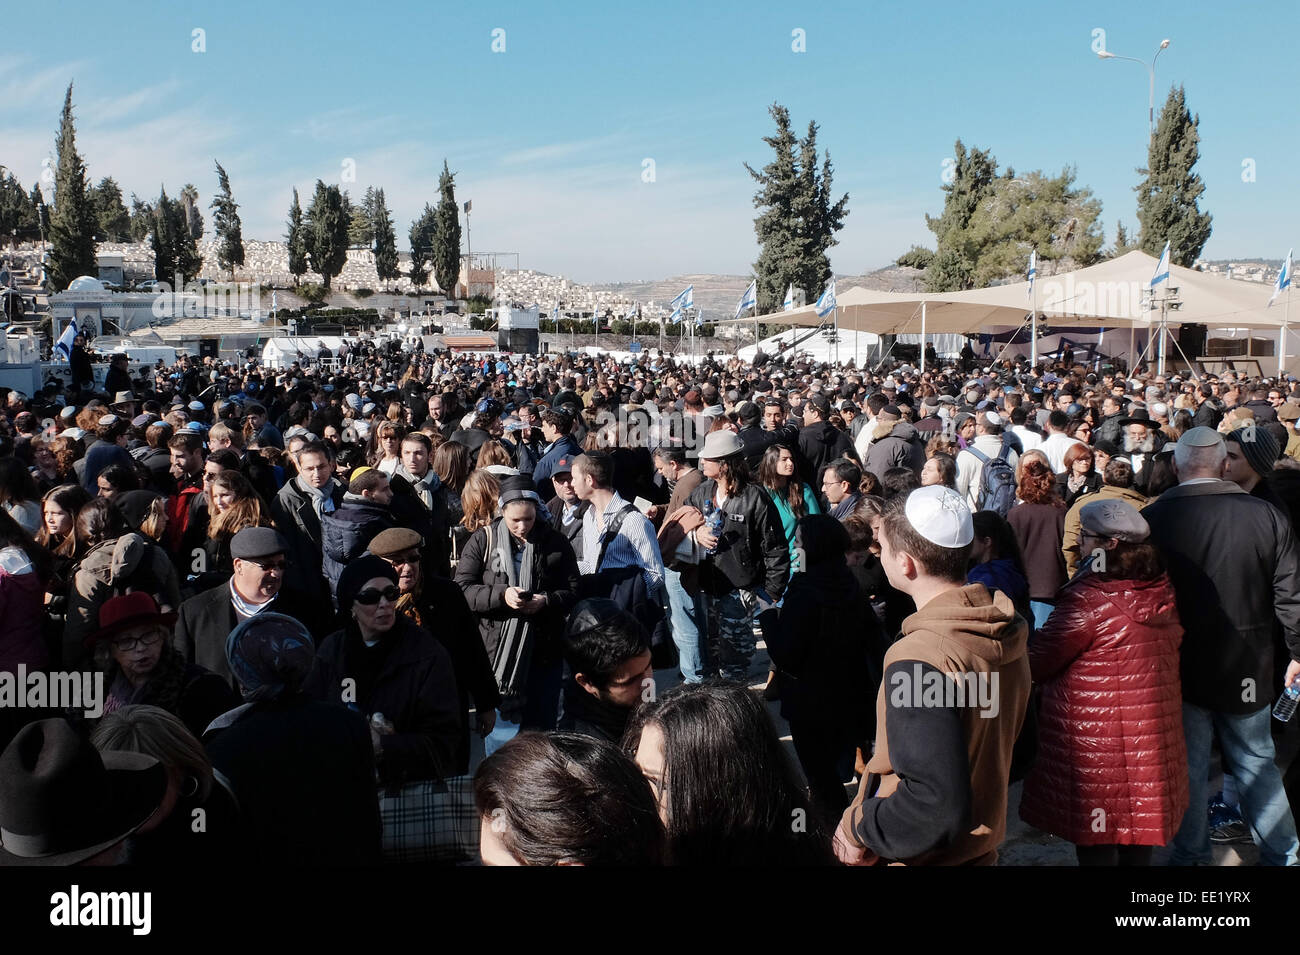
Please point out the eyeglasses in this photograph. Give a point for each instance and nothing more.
(371, 597)
(565, 478)
(148, 640)
(268, 565)
(404, 560)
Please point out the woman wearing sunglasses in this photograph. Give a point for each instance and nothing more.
(383, 665)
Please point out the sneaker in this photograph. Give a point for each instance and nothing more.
(1226, 825)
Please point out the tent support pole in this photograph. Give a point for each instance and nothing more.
(923, 336)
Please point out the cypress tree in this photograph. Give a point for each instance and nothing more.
(327, 231)
(230, 235)
(446, 235)
(385, 238)
(1167, 197)
(296, 240)
(72, 220)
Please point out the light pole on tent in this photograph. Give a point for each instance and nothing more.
(1151, 88)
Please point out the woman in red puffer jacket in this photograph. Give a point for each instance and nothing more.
(1111, 772)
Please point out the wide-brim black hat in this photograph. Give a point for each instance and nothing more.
(1140, 416)
(62, 802)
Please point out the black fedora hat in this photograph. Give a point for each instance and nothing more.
(62, 802)
(1138, 416)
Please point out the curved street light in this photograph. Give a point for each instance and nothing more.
(1151, 72)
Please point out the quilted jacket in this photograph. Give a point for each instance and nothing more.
(1112, 763)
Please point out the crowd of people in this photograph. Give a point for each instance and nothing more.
(305, 591)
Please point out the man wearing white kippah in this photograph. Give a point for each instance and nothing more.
(951, 703)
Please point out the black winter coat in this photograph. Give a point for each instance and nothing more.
(303, 773)
(555, 575)
(752, 551)
(443, 611)
(820, 444)
(415, 688)
(409, 511)
(1236, 573)
(206, 619)
(295, 518)
(829, 647)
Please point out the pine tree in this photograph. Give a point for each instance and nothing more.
(327, 231)
(72, 220)
(111, 218)
(446, 236)
(385, 238)
(184, 215)
(164, 240)
(421, 236)
(821, 218)
(1167, 197)
(18, 220)
(1123, 242)
(230, 235)
(296, 240)
(972, 182)
(190, 206)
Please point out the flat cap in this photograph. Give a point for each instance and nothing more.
(395, 540)
(254, 542)
(1114, 518)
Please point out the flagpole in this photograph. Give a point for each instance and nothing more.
(1286, 320)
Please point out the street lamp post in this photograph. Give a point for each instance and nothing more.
(1151, 73)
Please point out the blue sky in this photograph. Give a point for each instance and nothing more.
(549, 137)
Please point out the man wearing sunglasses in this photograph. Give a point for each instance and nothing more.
(206, 619)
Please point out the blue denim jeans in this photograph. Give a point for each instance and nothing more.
(687, 619)
(1247, 743)
(1042, 610)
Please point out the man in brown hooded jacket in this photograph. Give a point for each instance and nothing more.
(951, 703)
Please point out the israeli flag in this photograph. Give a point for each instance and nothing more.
(685, 299)
(1162, 268)
(1283, 278)
(631, 312)
(788, 304)
(555, 313)
(749, 299)
(676, 316)
(1033, 270)
(273, 305)
(826, 304)
(64, 344)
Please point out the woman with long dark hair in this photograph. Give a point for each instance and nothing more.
(700, 745)
(1038, 518)
(1111, 732)
(744, 550)
(234, 506)
(778, 472)
(116, 561)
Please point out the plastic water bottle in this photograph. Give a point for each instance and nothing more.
(713, 518)
(1285, 706)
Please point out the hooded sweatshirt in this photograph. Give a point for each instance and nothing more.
(950, 707)
(896, 445)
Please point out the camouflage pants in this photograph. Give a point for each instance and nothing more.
(731, 632)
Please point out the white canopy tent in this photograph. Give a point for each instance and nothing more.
(1108, 295)
(283, 352)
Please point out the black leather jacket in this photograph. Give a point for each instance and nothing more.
(752, 551)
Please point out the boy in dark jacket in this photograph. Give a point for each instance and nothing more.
(365, 512)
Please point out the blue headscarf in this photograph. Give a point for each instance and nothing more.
(269, 654)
